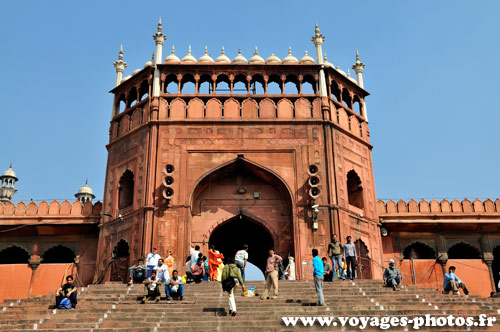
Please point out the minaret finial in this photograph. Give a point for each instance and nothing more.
(120, 54)
(256, 51)
(206, 49)
(357, 56)
(159, 25)
(173, 49)
(10, 165)
(223, 52)
(87, 180)
(289, 50)
(189, 50)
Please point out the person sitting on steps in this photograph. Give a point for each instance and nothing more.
(174, 287)
(137, 272)
(198, 270)
(392, 277)
(152, 288)
(451, 282)
(68, 290)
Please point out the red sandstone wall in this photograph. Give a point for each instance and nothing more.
(473, 272)
(16, 278)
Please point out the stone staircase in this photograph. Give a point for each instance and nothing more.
(115, 307)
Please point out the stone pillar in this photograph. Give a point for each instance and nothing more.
(33, 262)
(488, 259)
(443, 259)
(318, 40)
(159, 38)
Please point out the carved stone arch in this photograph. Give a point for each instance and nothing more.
(213, 172)
(249, 109)
(292, 80)
(14, 254)
(177, 109)
(126, 189)
(419, 250)
(363, 269)
(58, 254)
(285, 109)
(463, 250)
(302, 109)
(308, 79)
(267, 109)
(144, 90)
(231, 109)
(31, 210)
(131, 96)
(196, 109)
(20, 209)
(214, 109)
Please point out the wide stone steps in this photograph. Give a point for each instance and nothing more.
(115, 307)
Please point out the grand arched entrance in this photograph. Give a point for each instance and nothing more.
(233, 234)
(243, 203)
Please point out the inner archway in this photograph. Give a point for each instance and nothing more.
(233, 234)
(241, 202)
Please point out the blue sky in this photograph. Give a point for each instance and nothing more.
(430, 68)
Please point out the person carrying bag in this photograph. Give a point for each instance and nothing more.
(228, 282)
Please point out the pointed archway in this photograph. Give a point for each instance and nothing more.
(230, 237)
(239, 203)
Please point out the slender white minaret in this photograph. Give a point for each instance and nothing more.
(120, 66)
(159, 38)
(358, 68)
(318, 40)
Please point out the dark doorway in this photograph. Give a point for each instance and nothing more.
(363, 268)
(496, 267)
(120, 262)
(14, 255)
(463, 251)
(240, 230)
(419, 250)
(58, 254)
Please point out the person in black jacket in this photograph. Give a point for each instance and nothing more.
(69, 290)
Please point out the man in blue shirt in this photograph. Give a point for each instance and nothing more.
(452, 283)
(318, 276)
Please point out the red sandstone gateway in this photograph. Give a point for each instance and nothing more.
(269, 153)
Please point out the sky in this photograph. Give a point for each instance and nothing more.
(430, 68)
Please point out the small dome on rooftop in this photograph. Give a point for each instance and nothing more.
(290, 59)
(307, 59)
(273, 60)
(205, 58)
(328, 64)
(150, 62)
(223, 58)
(341, 71)
(10, 173)
(350, 77)
(172, 58)
(189, 58)
(136, 71)
(240, 59)
(256, 58)
(125, 78)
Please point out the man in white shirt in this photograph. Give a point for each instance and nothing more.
(152, 288)
(152, 260)
(194, 252)
(174, 286)
(162, 271)
(241, 259)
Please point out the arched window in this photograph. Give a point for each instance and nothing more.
(356, 107)
(120, 107)
(257, 85)
(346, 98)
(240, 85)
(335, 91)
(121, 249)
(132, 97)
(144, 90)
(274, 85)
(14, 255)
(126, 190)
(463, 251)
(419, 250)
(222, 86)
(292, 85)
(171, 85)
(355, 190)
(58, 254)
(188, 85)
(308, 85)
(205, 84)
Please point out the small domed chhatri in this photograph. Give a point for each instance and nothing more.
(328, 64)
(256, 59)
(10, 173)
(273, 60)
(205, 58)
(341, 71)
(85, 193)
(350, 77)
(306, 59)
(172, 58)
(136, 71)
(189, 58)
(290, 59)
(240, 59)
(223, 58)
(125, 78)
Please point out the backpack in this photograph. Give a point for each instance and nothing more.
(64, 304)
(229, 283)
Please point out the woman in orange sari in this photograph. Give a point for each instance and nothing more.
(170, 263)
(213, 262)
